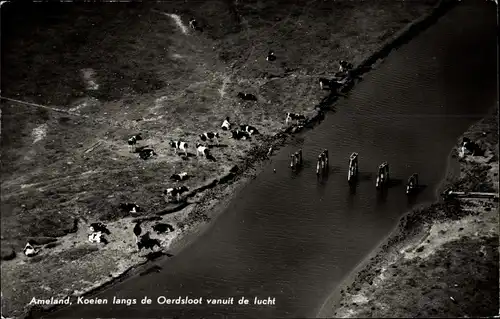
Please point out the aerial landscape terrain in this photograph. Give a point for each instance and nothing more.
(79, 80)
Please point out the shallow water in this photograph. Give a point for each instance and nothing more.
(294, 238)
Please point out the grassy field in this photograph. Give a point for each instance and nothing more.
(113, 70)
(443, 260)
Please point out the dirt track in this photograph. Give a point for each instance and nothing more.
(136, 70)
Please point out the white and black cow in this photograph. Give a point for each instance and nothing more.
(270, 56)
(29, 250)
(133, 140)
(161, 228)
(238, 135)
(130, 208)
(179, 145)
(147, 153)
(226, 126)
(247, 96)
(202, 149)
(249, 129)
(99, 227)
(98, 237)
(344, 66)
(209, 136)
(294, 116)
(180, 177)
(175, 191)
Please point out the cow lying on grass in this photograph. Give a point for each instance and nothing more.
(29, 250)
(130, 208)
(226, 126)
(179, 177)
(147, 153)
(249, 129)
(98, 237)
(240, 135)
(161, 228)
(99, 227)
(247, 96)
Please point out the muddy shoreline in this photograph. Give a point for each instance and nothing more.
(216, 194)
(414, 227)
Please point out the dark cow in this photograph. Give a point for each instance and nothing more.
(332, 85)
(130, 208)
(179, 177)
(247, 96)
(270, 56)
(209, 136)
(137, 230)
(179, 145)
(161, 228)
(345, 66)
(249, 129)
(238, 135)
(99, 227)
(294, 117)
(175, 191)
(147, 153)
(147, 242)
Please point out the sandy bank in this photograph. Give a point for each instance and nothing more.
(72, 266)
(441, 260)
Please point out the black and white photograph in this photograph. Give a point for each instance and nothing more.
(249, 159)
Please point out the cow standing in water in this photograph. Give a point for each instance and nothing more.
(382, 175)
(412, 184)
(353, 167)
